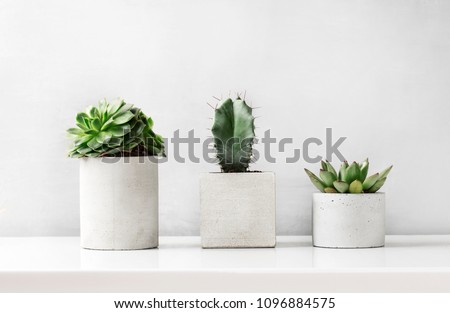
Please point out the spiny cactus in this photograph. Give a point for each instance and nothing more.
(114, 129)
(234, 134)
(350, 178)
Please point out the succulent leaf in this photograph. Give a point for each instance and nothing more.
(377, 185)
(370, 181)
(341, 186)
(355, 187)
(343, 171)
(385, 173)
(108, 129)
(327, 177)
(123, 118)
(315, 180)
(331, 169)
(352, 173)
(364, 170)
(349, 179)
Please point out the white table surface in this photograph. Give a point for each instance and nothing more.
(58, 264)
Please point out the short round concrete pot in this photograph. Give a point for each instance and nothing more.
(119, 203)
(348, 220)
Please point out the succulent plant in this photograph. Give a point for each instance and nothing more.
(234, 134)
(349, 179)
(114, 129)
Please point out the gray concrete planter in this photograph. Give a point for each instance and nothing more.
(237, 210)
(119, 203)
(348, 220)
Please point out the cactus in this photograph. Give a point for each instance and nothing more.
(350, 178)
(234, 133)
(114, 129)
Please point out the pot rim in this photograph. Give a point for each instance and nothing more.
(348, 194)
(241, 173)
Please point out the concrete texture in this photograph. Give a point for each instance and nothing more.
(348, 220)
(237, 210)
(119, 203)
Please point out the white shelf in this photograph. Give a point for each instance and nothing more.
(57, 264)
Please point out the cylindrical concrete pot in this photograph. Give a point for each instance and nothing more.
(237, 210)
(119, 203)
(348, 220)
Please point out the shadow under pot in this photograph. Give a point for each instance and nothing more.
(119, 203)
(348, 220)
(237, 210)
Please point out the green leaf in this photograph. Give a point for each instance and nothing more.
(370, 181)
(111, 152)
(74, 154)
(120, 131)
(115, 105)
(84, 150)
(323, 164)
(115, 142)
(341, 186)
(123, 108)
(159, 139)
(327, 177)
(131, 146)
(352, 173)
(94, 144)
(385, 173)
(139, 128)
(315, 180)
(75, 131)
(81, 117)
(96, 124)
(93, 112)
(122, 118)
(364, 170)
(355, 187)
(103, 137)
(81, 140)
(93, 154)
(377, 185)
(150, 122)
(331, 169)
(343, 171)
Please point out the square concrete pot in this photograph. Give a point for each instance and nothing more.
(119, 203)
(238, 210)
(348, 220)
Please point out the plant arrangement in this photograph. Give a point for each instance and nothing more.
(114, 128)
(234, 134)
(349, 179)
(231, 218)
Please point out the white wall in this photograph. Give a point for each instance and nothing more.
(377, 72)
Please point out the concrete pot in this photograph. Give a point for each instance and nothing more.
(119, 203)
(348, 220)
(238, 210)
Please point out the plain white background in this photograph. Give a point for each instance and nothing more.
(377, 72)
